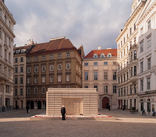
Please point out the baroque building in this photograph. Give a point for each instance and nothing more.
(100, 72)
(55, 64)
(7, 23)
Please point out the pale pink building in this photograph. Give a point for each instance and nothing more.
(99, 71)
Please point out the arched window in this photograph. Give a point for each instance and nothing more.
(109, 55)
(95, 56)
(102, 55)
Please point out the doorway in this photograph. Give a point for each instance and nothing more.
(105, 102)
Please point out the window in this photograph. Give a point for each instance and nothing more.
(59, 55)
(141, 85)
(86, 64)
(28, 91)
(68, 66)
(21, 80)
(142, 46)
(16, 69)
(35, 90)
(28, 80)
(21, 91)
(35, 80)
(135, 88)
(86, 87)
(141, 66)
(28, 70)
(149, 41)
(51, 78)
(130, 31)
(59, 67)
(68, 54)
(35, 59)
(102, 55)
(135, 55)
(96, 75)
(131, 89)
(21, 59)
(95, 56)
(148, 83)
(135, 70)
(43, 68)
(86, 76)
(95, 86)
(43, 90)
(67, 77)
(95, 63)
(105, 63)
(16, 91)
(149, 63)
(35, 69)
(114, 63)
(59, 78)
(43, 58)
(109, 55)
(51, 67)
(16, 60)
(134, 27)
(51, 57)
(21, 69)
(43, 79)
(114, 75)
(149, 24)
(114, 89)
(106, 89)
(105, 75)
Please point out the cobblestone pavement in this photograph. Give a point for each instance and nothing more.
(124, 114)
(75, 128)
(18, 124)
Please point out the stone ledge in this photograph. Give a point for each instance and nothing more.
(72, 117)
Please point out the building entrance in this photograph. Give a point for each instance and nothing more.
(105, 102)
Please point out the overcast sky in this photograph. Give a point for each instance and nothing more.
(90, 23)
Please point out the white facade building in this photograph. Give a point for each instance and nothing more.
(147, 58)
(136, 57)
(7, 23)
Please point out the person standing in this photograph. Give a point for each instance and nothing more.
(63, 112)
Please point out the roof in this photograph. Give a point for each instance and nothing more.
(104, 51)
(53, 45)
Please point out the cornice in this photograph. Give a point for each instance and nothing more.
(134, 14)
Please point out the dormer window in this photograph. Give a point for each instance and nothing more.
(109, 55)
(95, 56)
(102, 55)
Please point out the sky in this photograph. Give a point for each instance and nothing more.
(91, 23)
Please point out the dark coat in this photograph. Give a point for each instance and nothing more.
(63, 110)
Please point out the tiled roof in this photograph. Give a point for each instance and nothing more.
(53, 45)
(104, 51)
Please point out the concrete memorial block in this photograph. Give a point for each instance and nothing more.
(77, 101)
